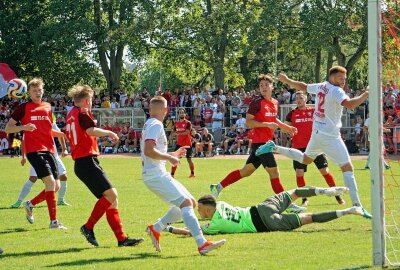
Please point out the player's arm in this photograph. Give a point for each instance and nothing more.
(180, 231)
(12, 127)
(353, 103)
(23, 155)
(57, 133)
(286, 128)
(301, 86)
(99, 132)
(251, 123)
(151, 151)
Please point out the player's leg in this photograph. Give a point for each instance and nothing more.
(190, 161)
(26, 188)
(322, 164)
(251, 165)
(308, 218)
(173, 169)
(63, 182)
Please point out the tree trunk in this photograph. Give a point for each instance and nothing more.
(360, 50)
(341, 57)
(318, 66)
(244, 69)
(219, 75)
(329, 63)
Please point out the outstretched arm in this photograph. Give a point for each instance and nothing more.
(301, 86)
(355, 102)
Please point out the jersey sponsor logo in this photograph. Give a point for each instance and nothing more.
(268, 114)
(319, 114)
(39, 118)
(303, 120)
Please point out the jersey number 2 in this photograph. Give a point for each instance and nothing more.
(72, 132)
(321, 102)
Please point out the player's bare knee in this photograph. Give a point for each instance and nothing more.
(305, 218)
(307, 160)
(186, 203)
(56, 185)
(273, 172)
(33, 179)
(247, 170)
(63, 177)
(111, 195)
(348, 167)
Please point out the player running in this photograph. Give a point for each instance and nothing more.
(35, 120)
(266, 216)
(301, 118)
(330, 100)
(158, 180)
(61, 182)
(262, 117)
(182, 129)
(82, 135)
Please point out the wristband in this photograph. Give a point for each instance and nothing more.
(170, 229)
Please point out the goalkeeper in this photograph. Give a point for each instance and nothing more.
(265, 217)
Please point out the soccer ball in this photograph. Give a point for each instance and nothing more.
(16, 88)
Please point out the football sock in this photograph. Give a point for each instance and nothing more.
(350, 182)
(367, 165)
(324, 217)
(344, 212)
(25, 190)
(99, 209)
(172, 216)
(51, 204)
(115, 223)
(62, 191)
(39, 198)
(305, 192)
(173, 170)
(291, 153)
(191, 222)
(192, 169)
(231, 178)
(329, 180)
(277, 185)
(300, 181)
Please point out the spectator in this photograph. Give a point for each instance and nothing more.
(229, 140)
(132, 140)
(114, 103)
(242, 140)
(106, 102)
(240, 122)
(145, 94)
(206, 140)
(196, 139)
(217, 119)
(207, 116)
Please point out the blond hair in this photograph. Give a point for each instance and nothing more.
(337, 69)
(35, 82)
(158, 100)
(80, 92)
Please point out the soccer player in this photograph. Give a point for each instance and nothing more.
(266, 216)
(325, 138)
(156, 178)
(82, 133)
(262, 116)
(60, 182)
(182, 130)
(301, 118)
(35, 119)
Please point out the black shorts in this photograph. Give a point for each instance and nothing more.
(44, 164)
(320, 161)
(90, 172)
(267, 160)
(189, 150)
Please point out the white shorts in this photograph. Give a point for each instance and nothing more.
(168, 189)
(333, 147)
(60, 167)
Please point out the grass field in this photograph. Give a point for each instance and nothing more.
(341, 244)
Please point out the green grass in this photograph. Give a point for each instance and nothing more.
(343, 243)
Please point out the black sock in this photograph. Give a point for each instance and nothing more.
(324, 217)
(305, 192)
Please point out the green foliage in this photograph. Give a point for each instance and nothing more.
(35, 246)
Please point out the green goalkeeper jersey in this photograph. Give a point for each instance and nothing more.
(229, 219)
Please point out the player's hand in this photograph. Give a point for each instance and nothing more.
(114, 137)
(23, 161)
(173, 160)
(292, 131)
(29, 127)
(283, 77)
(181, 152)
(272, 125)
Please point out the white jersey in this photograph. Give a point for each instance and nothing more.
(153, 130)
(328, 107)
(54, 143)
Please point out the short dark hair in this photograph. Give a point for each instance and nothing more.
(264, 77)
(208, 200)
(337, 69)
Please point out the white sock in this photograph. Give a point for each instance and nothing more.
(172, 216)
(25, 190)
(62, 191)
(319, 191)
(193, 225)
(350, 182)
(290, 153)
(346, 211)
(367, 165)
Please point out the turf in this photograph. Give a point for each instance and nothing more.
(342, 243)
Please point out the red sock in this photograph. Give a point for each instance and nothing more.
(98, 211)
(276, 185)
(231, 178)
(51, 204)
(39, 198)
(192, 169)
(300, 181)
(173, 169)
(115, 223)
(330, 180)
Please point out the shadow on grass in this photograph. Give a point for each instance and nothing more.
(323, 230)
(19, 230)
(356, 267)
(137, 256)
(42, 253)
(21, 208)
